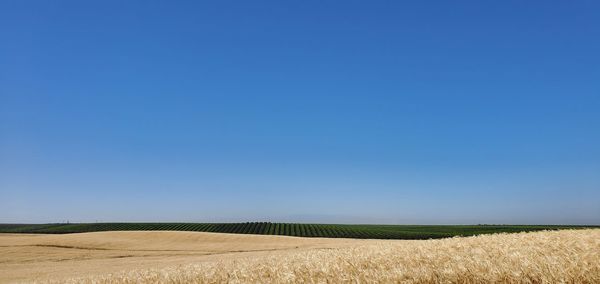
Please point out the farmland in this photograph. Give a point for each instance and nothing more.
(563, 256)
(287, 229)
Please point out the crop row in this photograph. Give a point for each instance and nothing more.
(284, 229)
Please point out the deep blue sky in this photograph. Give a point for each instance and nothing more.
(308, 111)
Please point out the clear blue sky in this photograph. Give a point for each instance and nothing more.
(411, 112)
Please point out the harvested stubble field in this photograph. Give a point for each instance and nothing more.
(568, 256)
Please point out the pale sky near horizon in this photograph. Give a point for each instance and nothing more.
(422, 112)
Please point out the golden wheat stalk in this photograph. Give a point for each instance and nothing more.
(570, 256)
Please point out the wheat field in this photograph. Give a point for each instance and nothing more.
(568, 256)
(41, 257)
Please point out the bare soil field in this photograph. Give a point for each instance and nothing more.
(568, 256)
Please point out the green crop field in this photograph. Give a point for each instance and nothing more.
(289, 229)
